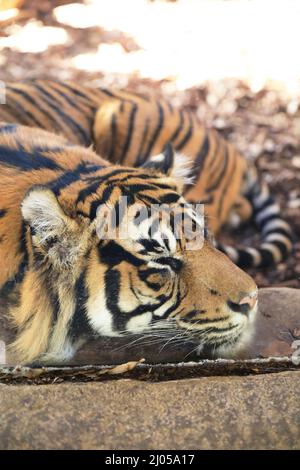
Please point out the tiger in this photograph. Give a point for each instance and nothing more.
(65, 284)
(129, 128)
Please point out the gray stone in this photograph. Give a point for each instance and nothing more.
(253, 412)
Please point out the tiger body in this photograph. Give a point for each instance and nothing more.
(64, 284)
(128, 129)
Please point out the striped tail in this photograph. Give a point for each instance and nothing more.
(276, 235)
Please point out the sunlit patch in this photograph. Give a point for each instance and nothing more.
(33, 37)
(189, 40)
(8, 14)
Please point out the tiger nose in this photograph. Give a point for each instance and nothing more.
(247, 302)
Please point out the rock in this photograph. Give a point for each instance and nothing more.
(252, 412)
(278, 318)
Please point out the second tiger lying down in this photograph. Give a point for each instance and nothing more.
(127, 128)
(64, 284)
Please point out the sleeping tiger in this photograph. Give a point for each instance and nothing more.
(128, 129)
(64, 284)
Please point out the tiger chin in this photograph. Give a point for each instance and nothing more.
(65, 285)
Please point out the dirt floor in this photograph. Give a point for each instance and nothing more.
(264, 125)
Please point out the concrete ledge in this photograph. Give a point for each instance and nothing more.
(253, 412)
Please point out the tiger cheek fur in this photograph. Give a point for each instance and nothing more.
(218, 316)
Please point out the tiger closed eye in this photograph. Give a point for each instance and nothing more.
(174, 263)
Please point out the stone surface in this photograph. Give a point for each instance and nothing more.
(253, 412)
(277, 326)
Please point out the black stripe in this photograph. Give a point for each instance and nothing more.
(37, 105)
(69, 86)
(187, 136)
(278, 230)
(179, 127)
(129, 133)
(138, 187)
(267, 258)
(219, 330)
(19, 276)
(25, 161)
(218, 157)
(87, 111)
(86, 192)
(3, 212)
(282, 248)
(179, 299)
(140, 158)
(74, 103)
(95, 204)
(175, 264)
(149, 199)
(169, 198)
(98, 180)
(15, 105)
(221, 174)
(112, 294)
(192, 314)
(113, 137)
(85, 139)
(226, 186)
(108, 93)
(113, 254)
(201, 155)
(149, 245)
(157, 131)
(268, 202)
(203, 321)
(71, 176)
(267, 219)
(80, 325)
(240, 253)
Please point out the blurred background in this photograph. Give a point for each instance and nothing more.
(235, 63)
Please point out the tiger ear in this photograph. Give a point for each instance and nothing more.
(52, 231)
(172, 164)
(163, 162)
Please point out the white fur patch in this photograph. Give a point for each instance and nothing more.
(139, 323)
(262, 197)
(182, 169)
(232, 253)
(270, 210)
(42, 211)
(280, 238)
(276, 224)
(234, 220)
(100, 318)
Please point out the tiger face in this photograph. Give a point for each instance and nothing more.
(76, 284)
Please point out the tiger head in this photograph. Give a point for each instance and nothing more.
(80, 284)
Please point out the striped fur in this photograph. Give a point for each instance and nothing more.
(128, 129)
(65, 285)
